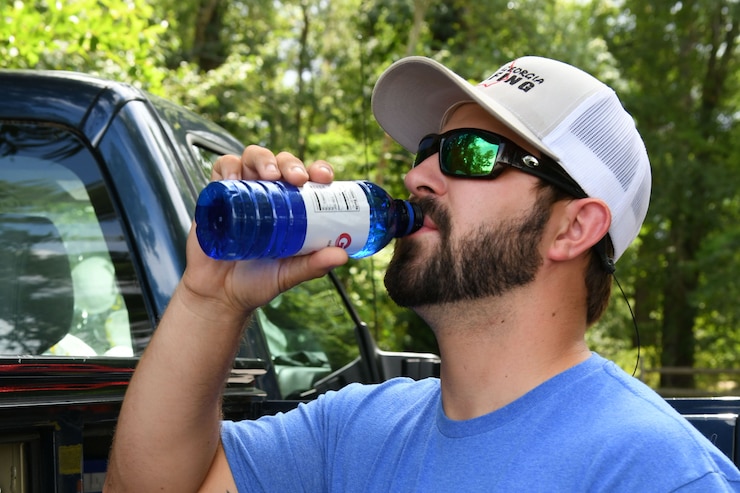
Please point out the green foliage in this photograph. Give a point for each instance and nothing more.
(117, 39)
(681, 64)
(297, 75)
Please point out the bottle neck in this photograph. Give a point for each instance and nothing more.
(410, 217)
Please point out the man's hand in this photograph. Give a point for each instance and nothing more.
(231, 285)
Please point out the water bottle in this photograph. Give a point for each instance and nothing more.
(239, 219)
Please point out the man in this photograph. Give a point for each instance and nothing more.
(533, 183)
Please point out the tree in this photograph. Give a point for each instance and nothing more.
(117, 39)
(297, 75)
(681, 61)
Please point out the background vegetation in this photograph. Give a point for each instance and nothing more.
(298, 74)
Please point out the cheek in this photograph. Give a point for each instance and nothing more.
(510, 195)
(471, 207)
(466, 216)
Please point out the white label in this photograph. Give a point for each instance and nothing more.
(337, 214)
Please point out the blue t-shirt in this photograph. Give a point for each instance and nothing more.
(590, 428)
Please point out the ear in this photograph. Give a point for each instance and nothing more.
(582, 223)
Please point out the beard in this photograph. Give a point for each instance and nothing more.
(490, 261)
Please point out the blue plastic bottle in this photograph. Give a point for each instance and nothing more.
(239, 219)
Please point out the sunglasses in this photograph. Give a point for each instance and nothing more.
(474, 153)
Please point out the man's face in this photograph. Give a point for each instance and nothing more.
(481, 238)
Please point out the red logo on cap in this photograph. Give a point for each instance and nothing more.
(502, 75)
(514, 76)
(343, 241)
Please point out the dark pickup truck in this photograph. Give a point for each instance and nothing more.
(98, 183)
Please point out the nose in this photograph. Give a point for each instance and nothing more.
(426, 178)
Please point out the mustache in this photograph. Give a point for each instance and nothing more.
(434, 210)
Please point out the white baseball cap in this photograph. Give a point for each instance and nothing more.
(559, 109)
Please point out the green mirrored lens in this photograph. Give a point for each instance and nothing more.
(468, 154)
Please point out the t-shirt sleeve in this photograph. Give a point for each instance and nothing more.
(288, 451)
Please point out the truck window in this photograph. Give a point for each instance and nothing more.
(67, 284)
(309, 334)
(205, 158)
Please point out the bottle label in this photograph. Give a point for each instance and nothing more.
(337, 214)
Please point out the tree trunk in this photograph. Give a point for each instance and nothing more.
(208, 48)
(678, 328)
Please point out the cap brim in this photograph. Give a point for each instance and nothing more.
(413, 95)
